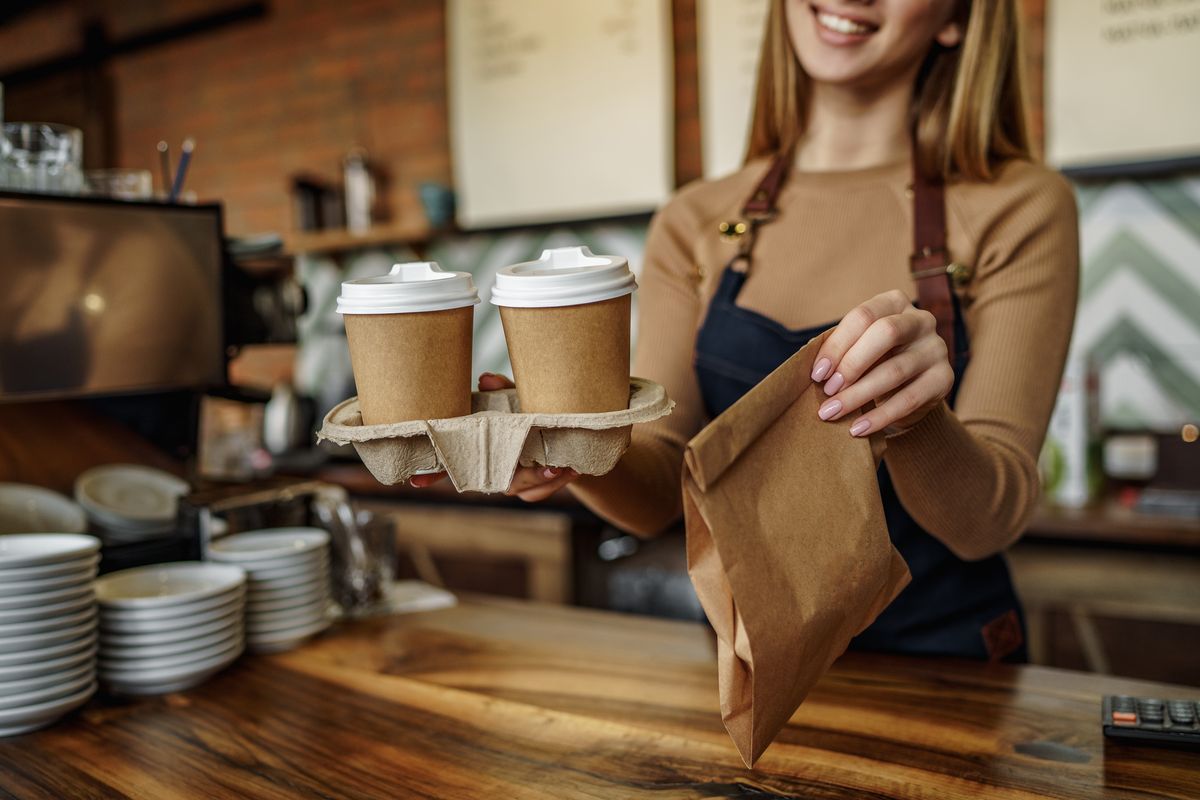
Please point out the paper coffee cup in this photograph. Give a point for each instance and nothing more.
(566, 320)
(410, 342)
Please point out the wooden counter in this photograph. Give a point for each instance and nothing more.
(507, 699)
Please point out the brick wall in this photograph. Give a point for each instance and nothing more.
(292, 92)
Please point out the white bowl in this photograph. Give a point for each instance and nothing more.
(11, 645)
(130, 493)
(271, 543)
(52, 611)
(107, 665)
(127, 677)
(55, 678)
(50, 623)
(224, 600)
(161, 585)
(166, 649)
(49, 693)
(175, 681)
(284, 640)
(29, 718)
(231, 620)
(39, 549)
(16, 672)
(32, 509)
(124, 626)
(80, 564)
(50, 584)
(43, 654)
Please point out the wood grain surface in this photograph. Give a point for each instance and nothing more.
(509, 699)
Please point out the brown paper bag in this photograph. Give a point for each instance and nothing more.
(787, 546)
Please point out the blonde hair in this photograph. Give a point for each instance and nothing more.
(968, 104)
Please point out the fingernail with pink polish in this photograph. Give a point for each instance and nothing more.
(829, 409)
(834, 384)
(860, 427)
(551, 472)
(821, 369)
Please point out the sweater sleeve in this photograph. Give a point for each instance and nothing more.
(969, 476)
(642, 493)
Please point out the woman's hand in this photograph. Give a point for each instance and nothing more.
(889, 352)
(531, 484)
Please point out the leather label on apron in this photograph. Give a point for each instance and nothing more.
(1002, 636)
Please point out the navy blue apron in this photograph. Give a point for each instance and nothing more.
(952, 607)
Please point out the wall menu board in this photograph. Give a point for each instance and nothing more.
(730, 33)
(1121, 81)
(559, 110)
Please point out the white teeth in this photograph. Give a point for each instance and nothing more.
(840, 24)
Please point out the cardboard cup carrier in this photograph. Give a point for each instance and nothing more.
(410, 342)
(566, 317)
(566, 320)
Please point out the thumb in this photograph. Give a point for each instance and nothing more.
(490, 382)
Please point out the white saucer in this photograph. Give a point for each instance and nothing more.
(222, 603)
(38, 682)
(49, 584)
(43, 695)
(305, 570)
(44, 654)
(175, 634)
(319, 583)
(141, 688)
(284, 640)
(52, 611)
(189, 622)
(295, 561)
(32, 509)
(260, 607)
(39, 549)
(130, 493)
(52, 623)
(11, 645)
(18, 672)
(167, 649)
(161, 585)
(81, 564)
(44, 599)
(135, 677)
(268, 543)
(130, 665)
(29, 718)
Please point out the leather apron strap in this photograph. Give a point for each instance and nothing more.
(930, 260)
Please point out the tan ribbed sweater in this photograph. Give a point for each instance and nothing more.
(968, 476)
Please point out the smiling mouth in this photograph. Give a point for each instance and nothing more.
(843, 25)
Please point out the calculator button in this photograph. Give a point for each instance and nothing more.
(1182, 713)
(1127, 717)
(1122, 703)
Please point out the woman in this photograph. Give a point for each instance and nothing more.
(863, 110)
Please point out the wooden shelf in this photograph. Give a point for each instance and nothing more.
(1109, 521)
(342, 241)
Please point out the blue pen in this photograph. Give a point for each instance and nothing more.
(185, 158)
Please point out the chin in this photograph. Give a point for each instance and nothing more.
(831, 58)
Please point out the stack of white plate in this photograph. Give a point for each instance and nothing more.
(288, 591)
(130, 503)
(47, 627)
(168, 627)
(32, 509)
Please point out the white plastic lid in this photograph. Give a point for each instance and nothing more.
(407, 289)
(564, 276)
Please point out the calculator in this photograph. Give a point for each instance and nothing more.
(1148, 720)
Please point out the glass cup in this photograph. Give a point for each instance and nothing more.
(43, 157)
(121, 184)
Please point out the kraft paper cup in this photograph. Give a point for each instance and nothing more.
(410, 342)
(566, 320)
